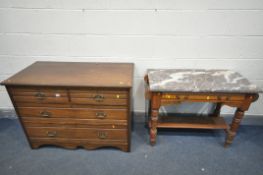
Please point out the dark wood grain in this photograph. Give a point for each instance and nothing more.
(77, 133)
(33, 91)
(74, 123)
(116, 94)
(74, 143)
(74, 104)
(74, 74)
(34, 99)
(104, 101)
(81, 113)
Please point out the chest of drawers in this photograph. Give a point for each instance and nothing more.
(74, 104)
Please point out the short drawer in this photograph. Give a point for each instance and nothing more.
(99, 101)
(99, 97)
(92, 93)
(81, 113)
(39, 91)
(42, 100)
(77, 133)
(39, 96)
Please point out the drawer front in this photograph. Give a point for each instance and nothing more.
(77, 133)
(74, 123)
(42, 100)
(81, 113)
(167, 96)
(115, 94)
(39, 95)
(170, 98)
(99, 97)
(73, 143)
(217, 97)
(103, 101)
(38, 91)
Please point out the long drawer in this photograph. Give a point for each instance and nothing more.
(81, 113)
(206, 97)
(74, 143)
(77, 133)
(74, 123)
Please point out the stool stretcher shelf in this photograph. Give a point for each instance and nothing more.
(194, 122)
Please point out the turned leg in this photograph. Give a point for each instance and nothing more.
(217, 110)
(148, 116)
(153, 125)
(234, 126)
(154, 113)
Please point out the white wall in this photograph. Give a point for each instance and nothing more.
(150, 33)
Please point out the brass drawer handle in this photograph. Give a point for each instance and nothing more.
(98, 98)
(45, 114)
(101, 115)
(51, 133)
(102, 135)
(40, 95)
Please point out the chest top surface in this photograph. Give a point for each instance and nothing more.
(199, 80)
(72, 74)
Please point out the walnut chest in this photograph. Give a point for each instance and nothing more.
(72, 104)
